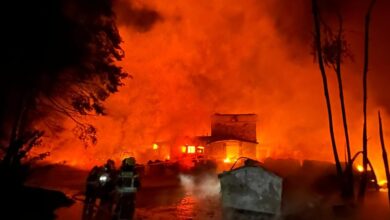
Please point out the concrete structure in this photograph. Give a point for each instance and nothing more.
(232, 136)
(253, 189)
(234, 127)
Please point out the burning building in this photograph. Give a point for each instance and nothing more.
(232, 136)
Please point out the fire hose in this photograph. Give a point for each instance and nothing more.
(238, 160)
(76, 197)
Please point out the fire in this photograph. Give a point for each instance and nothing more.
(382, 183)
(200, 150)
(156, 102)
(155, 146)
(191, 149)
(227, 160)
(360, 168)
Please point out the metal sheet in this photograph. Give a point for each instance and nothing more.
(252, 189)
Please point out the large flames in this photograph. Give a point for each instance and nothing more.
(204, 57)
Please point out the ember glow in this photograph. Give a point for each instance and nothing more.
(227, 160)
(360, 168)
(191, 149)
(202, 57)
(383, 185)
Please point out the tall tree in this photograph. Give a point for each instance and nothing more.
(59, 58)
(335, 49)
(341, 50)
(319, 54)
(365, 71)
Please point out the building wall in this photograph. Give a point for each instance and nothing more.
(231, 149)
(248, 150)
(234, 126)
(216, 150)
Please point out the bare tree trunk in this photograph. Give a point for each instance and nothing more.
(317, 36)
(384, 154)
(349, 187)
(341, 90)
(363, 184)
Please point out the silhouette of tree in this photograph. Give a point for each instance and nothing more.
(322, 60)
(363, 184)
(335, 50)
(384, 155)
(330, 51)
(58, 59)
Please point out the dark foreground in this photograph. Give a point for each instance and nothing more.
(197, 197)
(32, 203)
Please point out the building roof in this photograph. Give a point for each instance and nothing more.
(211, 139)
(246, 114)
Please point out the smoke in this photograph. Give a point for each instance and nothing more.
(205, 186)
(201, 57)
(136, 16)
(202, 197)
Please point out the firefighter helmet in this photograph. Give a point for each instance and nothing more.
(110, 164)
(130, 161)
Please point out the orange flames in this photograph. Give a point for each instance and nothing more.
(191, 149)
(227, 160)
(359, 168)
(238, 57)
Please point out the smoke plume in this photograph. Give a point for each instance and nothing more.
(190, 59)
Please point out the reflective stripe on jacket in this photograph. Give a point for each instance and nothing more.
(127, 182)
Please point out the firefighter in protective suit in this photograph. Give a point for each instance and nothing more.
(127, 186)
(100, 185)
(91, 192)
(106, 188)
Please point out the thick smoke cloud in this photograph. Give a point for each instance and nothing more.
(237, 57)
(139, 17)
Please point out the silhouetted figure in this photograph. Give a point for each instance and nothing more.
(100, 185)
(127, 186)
(91, 193)
(106, 193)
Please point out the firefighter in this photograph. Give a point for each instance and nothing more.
(91, 192)
(107, 180)
(127, 186)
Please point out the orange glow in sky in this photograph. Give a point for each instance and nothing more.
(206, 57)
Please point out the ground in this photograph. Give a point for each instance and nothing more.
(184, 197)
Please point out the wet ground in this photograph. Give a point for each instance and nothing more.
(160, 198)
(165, 203)
(184, 197)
